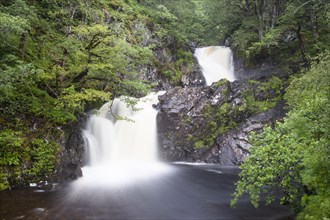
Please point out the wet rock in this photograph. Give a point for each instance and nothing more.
(72, 156)
(194, 77)
(211, 123)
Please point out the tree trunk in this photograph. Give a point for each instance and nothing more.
(22, 44)
(274, 13)
(80, 75)
(247, 4)
(266, 15)
(314, 21)
(301, 46)
(258, 13)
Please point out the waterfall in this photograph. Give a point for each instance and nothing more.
(121, 143)
(216, 63)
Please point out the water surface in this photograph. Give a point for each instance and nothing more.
(189, 192)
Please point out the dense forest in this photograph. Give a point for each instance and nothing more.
(62, 58)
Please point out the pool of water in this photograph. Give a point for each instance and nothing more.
(189, 192)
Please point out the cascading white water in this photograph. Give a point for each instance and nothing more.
(125, 150)
(216, 63)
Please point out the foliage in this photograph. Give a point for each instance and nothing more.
(43, 156)
(61, 58)
(75, 102)
(273, 164)
(11, 154)
(283, 32)
(261, 96)
(37, 155)
(10, 23)
(295, 155)
(10, 141)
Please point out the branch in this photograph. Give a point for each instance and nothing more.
(94, 42)
(81, 75)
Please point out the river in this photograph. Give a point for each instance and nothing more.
(187, 192)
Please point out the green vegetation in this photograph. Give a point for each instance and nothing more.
(60, 58)
(38, 157)
(293, 34)
(294, 156)
(269, 94)
(285, 32)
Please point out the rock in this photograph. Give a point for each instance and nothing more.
(266, 68)
(234, 145)
(72, 156)
(194, 78)
(212, 123)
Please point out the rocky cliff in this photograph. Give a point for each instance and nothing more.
(212, 123)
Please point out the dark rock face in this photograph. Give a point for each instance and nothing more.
(264, 69)
(191, 73)
(177, 104)
(233, 147)
(166, 52)
(193, 78)
(212, 123)
(72, 154)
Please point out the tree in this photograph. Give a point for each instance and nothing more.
(294, 157)
(298, 27)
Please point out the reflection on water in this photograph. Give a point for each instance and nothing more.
(189, 192)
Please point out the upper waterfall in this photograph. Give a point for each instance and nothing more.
(216, 63)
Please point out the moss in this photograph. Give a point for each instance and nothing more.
(221, 82)
(274, 83)
(220, 120)
(199, 144)
(224, 84)
(253, 82)
(43, 158)
(270, 93)
(189, 137)
(3, 181)
(185, 55)
(223, 109)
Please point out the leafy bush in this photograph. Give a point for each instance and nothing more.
(43, 156)
(294, 157)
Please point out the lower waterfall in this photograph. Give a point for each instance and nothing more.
(121, 143)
